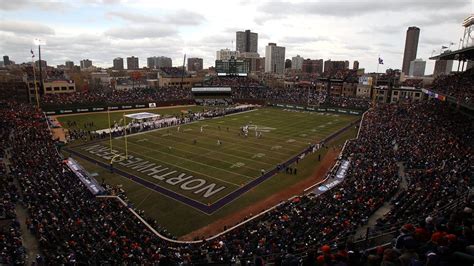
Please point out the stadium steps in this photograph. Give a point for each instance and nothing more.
(30, 242)
(385, 208)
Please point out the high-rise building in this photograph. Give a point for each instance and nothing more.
(118, 63)
(163, 61)
(411, 47)
(313, 66)
(132, 63)
(274, 58)
(287, 63)
(226, 54)
(253, 60)
(86, 63)
(158, 61)
(151, 62)
(246, 41)
(355, 66)
(6, 60)
(297, 62)
(69, 64)
(333, 66)
(195, 64)
(442, 67)
(417, 68)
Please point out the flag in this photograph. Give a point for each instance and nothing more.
(444, 47)
(380, 61)
(32, 53)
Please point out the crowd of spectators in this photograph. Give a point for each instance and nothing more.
(458, 85)
(433, 142)
(71, 225)
(173, 72)
(12, 251)
(137, 95)
(348, 102)
(243, 88)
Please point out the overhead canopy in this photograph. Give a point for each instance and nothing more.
(461, 54)
(143, 115)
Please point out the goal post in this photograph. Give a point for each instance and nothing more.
(117, 156)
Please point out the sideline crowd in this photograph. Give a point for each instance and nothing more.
(433, 142)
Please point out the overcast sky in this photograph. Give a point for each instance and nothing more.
(101, 30)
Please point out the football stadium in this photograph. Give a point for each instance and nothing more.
(248, 162)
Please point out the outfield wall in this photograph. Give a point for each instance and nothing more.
(100, 107)
(318, 109)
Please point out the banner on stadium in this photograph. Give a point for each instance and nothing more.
(332, 182)
(152, 105)
(85, 177)
(434, 95)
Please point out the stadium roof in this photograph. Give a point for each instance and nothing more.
(465, 53)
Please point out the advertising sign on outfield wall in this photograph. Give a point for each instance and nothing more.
(307, 108)
(99, 109)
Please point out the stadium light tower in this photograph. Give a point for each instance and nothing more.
(468, 37)
(39, 43)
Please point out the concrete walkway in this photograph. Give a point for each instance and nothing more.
(30, 242)
(385, 208)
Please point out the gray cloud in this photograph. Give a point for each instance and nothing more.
(184, 17)
(107, 2)
(354, 8)
(133, 17)
(144, 31)
(32, 4)
(440, 18)
(25, 27)
(301, 40)
(180, 17)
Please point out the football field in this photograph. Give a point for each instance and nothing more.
(208, 164)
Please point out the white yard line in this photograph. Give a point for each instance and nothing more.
(179, 157)
(181, 167)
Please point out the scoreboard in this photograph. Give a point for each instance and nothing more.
(232, 67)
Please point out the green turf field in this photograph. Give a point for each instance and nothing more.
(192, 164)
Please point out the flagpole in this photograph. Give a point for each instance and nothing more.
(34, 78)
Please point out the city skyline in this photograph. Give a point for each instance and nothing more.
(104, 30)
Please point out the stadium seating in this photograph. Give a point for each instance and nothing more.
(433, 142)
(243, 88)
(458, 85)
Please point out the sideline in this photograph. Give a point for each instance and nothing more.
(339, 157)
